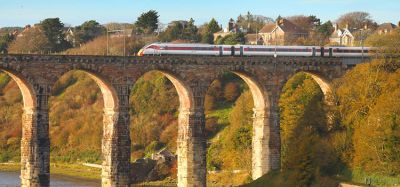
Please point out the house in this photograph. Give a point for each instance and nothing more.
(70, 35)
(253, 39)
(231, 29)
(26, 29)
(386, 28)
(343, 37)
(266, 33)
(283, 32)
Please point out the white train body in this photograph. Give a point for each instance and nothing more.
(252, 50)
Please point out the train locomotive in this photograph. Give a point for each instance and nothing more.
(160, 49)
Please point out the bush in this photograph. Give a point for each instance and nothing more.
(231, 91)
(242, 138)
(153, 147)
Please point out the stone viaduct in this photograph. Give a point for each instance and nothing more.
(191, 76)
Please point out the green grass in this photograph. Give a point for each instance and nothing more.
(72, 170)
(222, 114)
(278, 179)
(272, 179)
(9, 167)
(377, 180)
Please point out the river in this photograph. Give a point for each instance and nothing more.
(11, 179)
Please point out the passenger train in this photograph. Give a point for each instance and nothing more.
(251, 50)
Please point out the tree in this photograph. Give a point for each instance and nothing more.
(326, 29)
(320, 36)
(211, 28)
(278, 18)
(190, 32)
(232, 39)
(148, 22)
(174, 31)
(5, 40)
(307, 23)
(53, 30)
(32, 40)
(369, 96)
(181, 30)
(252, 23)
(88, 31)
(231, 91)
(356, 20)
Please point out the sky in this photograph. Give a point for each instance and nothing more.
(75, 12)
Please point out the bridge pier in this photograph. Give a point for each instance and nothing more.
(191, 149)
(35, 143)
(266, 141)
(115, 150)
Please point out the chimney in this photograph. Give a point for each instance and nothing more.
(366, 26)
(347, 26)
(335, 26)
(231, 25)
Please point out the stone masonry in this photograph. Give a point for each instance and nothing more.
(191, 76)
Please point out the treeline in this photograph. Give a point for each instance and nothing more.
(53, 36)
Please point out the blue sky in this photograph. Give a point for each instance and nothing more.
(23, 12)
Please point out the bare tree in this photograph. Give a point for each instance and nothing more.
(356, 20)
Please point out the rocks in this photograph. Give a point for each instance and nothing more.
(158, 167)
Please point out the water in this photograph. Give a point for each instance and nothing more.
(11, 179)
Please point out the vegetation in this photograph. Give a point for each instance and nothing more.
(147, 22)
(70, 170)
(211, 28)
(181, 30)
(154, 103)
(252, 23)
(88, 31)
(32, 41)
(231, 39)
(356, 20)
(53, 29)
(5, 40)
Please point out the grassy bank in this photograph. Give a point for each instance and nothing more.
(62, 169)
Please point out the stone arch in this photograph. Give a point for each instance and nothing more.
(26, 88)
(186, 97)
(110, 95)
(265, 155)
(324, 84)
(34, 157)
(110, 147)
(261, 101)
(188, 174)
(326, 88)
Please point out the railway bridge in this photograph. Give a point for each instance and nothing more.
(191, 76)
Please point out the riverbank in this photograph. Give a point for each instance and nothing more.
(84, 175)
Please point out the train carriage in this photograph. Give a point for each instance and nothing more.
(251, 50)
